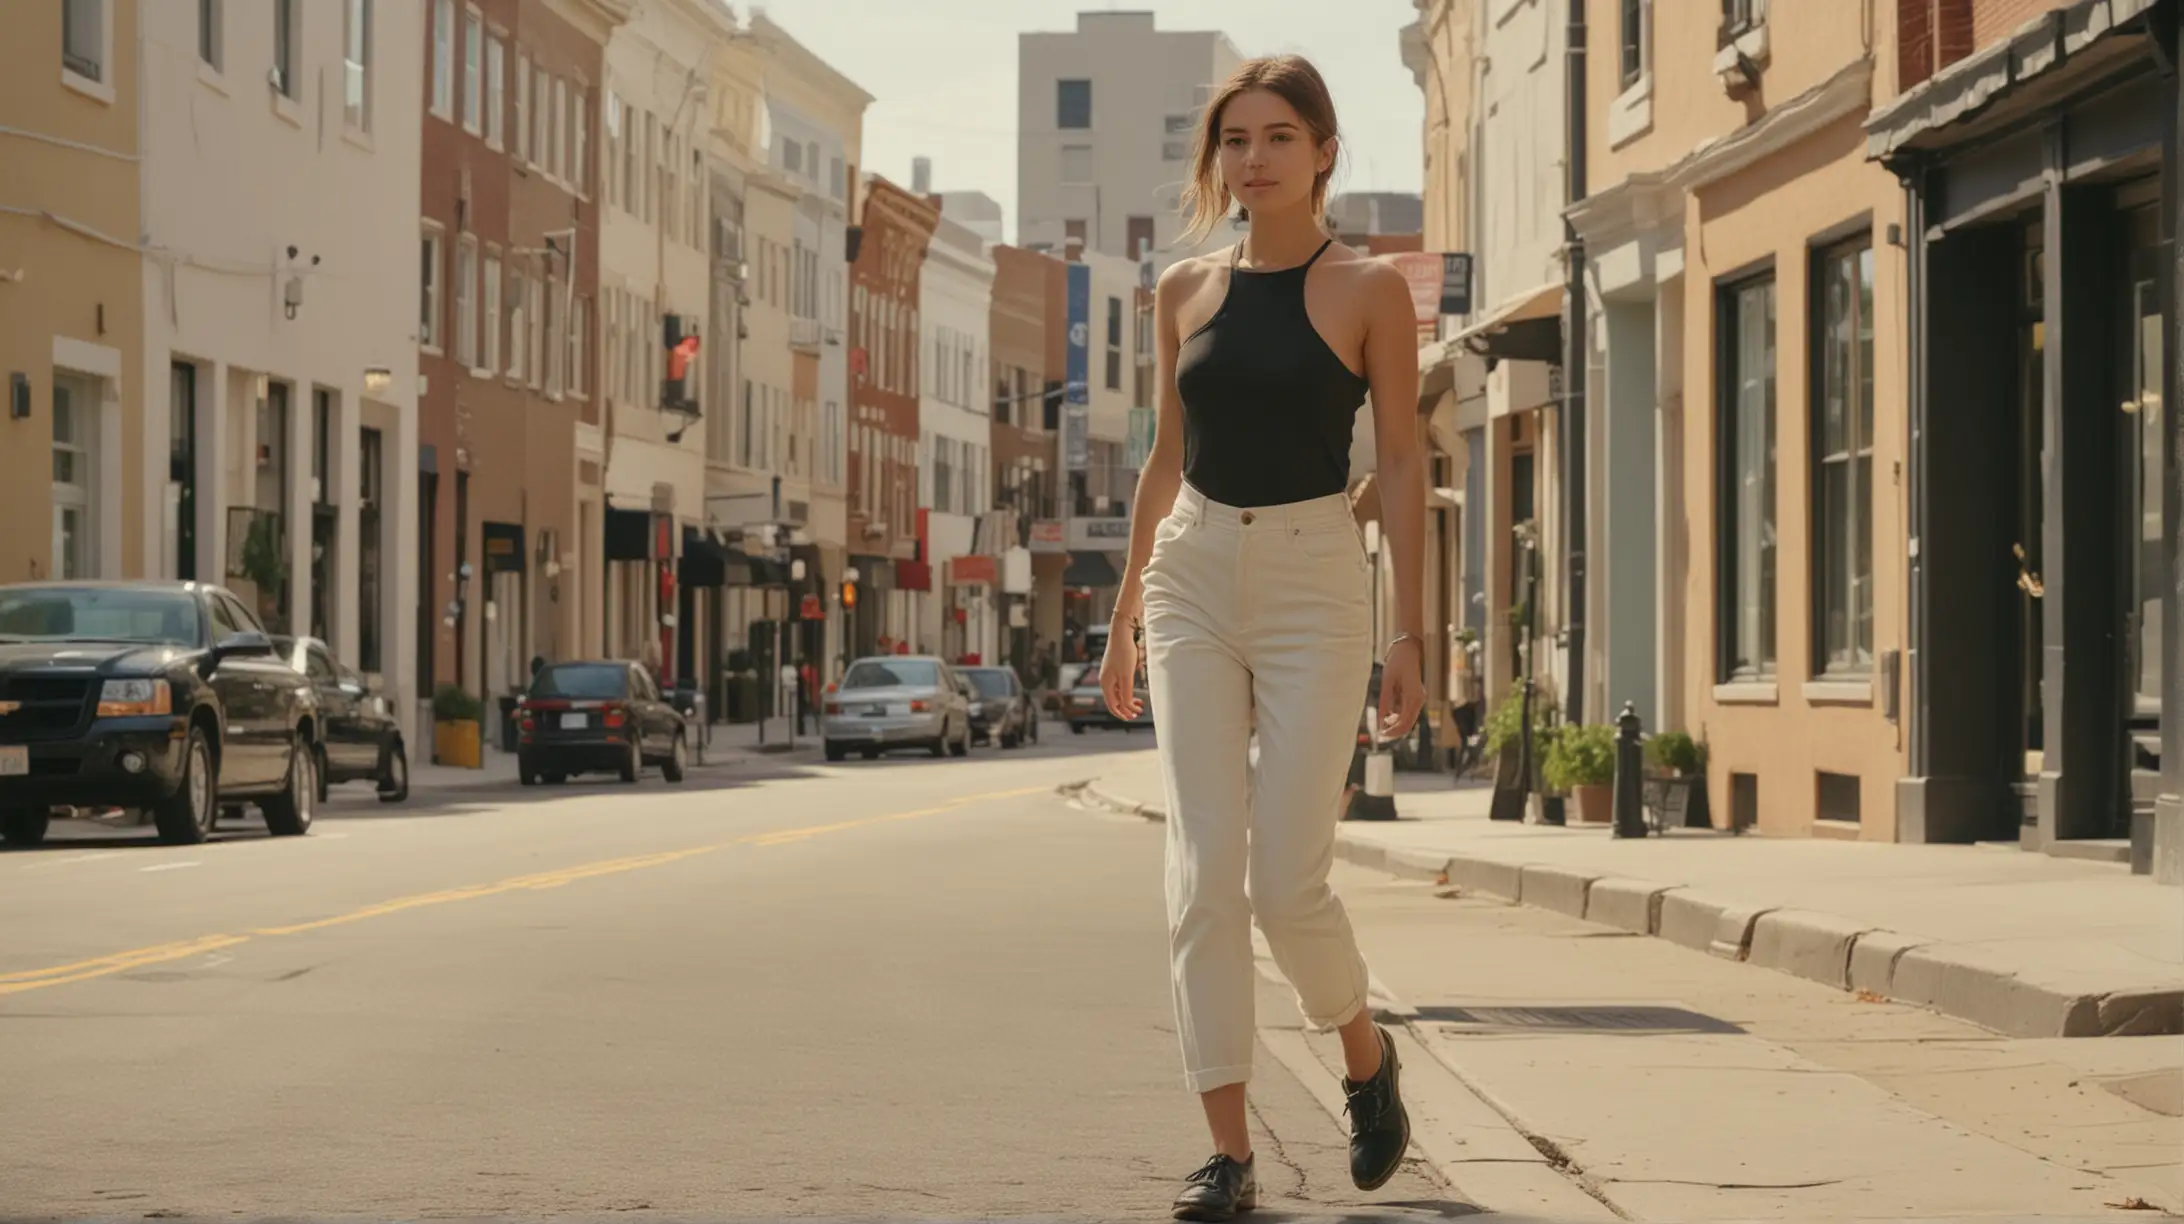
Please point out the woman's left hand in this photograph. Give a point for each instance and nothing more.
(1402, 690)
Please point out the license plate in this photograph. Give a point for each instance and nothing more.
(14, 761)
(875, 711)
(573, 722)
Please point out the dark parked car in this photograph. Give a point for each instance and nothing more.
(358, 740)
(1002, 712)
(1085, 706)
(597, 716)
(165, 696)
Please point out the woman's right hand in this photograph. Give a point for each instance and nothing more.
(1119, 669)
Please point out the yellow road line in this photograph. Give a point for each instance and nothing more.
(122, 962)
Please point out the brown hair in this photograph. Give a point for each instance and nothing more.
(1294, 80)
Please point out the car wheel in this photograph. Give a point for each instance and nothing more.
(289, 813)
(553, 779)
(1076, 728)
(635, 764)
(835, 752)
(319, 770)
(871, 754)
(939, 746)
(673, 769)
(394, 779)
(24, 826)
(525, 775)
(186, 817)
(962, 746)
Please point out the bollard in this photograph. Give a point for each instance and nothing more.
(1376, 799)
(1630, 816)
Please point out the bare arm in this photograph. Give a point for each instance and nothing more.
(1162, 476)
(1391, 367)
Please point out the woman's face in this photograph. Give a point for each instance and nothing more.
(1268, 156)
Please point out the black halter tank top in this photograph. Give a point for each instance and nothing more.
(1267, 406)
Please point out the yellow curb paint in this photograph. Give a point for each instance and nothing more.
(122, 962)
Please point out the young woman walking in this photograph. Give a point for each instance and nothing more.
(1249, 571)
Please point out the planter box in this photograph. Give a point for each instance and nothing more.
(456, 743)
(1595, 803)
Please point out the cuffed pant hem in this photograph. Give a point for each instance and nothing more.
(1341, 1018)
(1216, 1077)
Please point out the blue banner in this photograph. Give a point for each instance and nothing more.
(1077, 398)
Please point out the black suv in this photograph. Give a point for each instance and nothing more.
(160, 695)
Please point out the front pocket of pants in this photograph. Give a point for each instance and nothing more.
(1339, 547)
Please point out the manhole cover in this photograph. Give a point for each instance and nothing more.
(1579, 1019)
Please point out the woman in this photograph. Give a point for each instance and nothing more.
(1248, 567)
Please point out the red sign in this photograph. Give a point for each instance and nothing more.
(973, 571)
(812, 608)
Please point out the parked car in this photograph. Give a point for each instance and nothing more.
(166, 696)
(1003, 712)
(358, 738)
(1087, 706)
(597, 716)
(897, 701)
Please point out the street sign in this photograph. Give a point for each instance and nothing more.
(1077, 373)
(1455, 283)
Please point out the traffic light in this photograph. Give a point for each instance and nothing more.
(681, 342)
(849, 594)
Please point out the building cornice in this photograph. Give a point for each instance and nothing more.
(1650, 198)
(597, 19)
(825, 76)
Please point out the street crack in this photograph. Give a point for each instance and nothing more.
(1281, 1153)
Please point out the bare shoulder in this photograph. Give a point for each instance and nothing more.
(1365, 273)
(1185, 275)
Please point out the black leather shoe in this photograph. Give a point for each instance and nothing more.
(1222, 1187)
(1379, 1125)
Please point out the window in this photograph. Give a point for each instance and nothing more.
(1637, 16)
(428, 301)
(473, 73)
(211, 40)
(519, 298)
(356, 64)
(83, 38)
(466, 301)
(284, 46)
(1073, 231)
(792, 156)
(443, 58)
(1741, 16)
(835, 185)
(522, 124)
(579, 331)
(1114, 344)
(1139, 236)
(580, 128)
(612, 180)
(493, 320)
(1076, 163)
(372, 466)
(1073, 105)
(1843, 460)
(557, 355)
(76, 407)
(542, 121)
(496, 89)
(1745, 541)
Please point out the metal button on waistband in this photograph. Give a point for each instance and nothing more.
(1248, 516)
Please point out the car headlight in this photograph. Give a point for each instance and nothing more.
(134, 698)
(978, 709)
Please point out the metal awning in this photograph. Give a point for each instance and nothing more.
(1090, 569)
(2017, 65)
(1527, 327)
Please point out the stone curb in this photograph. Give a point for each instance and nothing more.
(1964, 981)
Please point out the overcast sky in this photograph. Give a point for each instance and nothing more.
(943, 75)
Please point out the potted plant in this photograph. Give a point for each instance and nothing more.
(1581, 760)
(264, 566)
(456, 716)
(1679, 762)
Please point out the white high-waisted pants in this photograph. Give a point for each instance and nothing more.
(1255, 612)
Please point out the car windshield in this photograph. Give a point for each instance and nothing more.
(584, 680)
(98, 614)
(990, 683)
(872, 675)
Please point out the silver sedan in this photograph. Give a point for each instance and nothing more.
(897, 701)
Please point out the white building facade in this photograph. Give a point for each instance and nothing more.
(654, 268)
(1106, 116)
(282, 317)
(955, 418)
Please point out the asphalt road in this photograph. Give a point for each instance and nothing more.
(903, 989)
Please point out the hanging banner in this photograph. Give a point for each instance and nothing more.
(1077, 399)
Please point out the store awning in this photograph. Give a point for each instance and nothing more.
(767, 572)
(1090, 569)
(706, 563)
(913, 575)
(1527, 327)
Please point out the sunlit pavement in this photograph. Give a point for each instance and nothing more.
(904, 988)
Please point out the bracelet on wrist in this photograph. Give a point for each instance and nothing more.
(1398, 640)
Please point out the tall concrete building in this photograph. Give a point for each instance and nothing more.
(1106, 116)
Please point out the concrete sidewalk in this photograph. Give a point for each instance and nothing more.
(730, 742)
(2023, 944)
